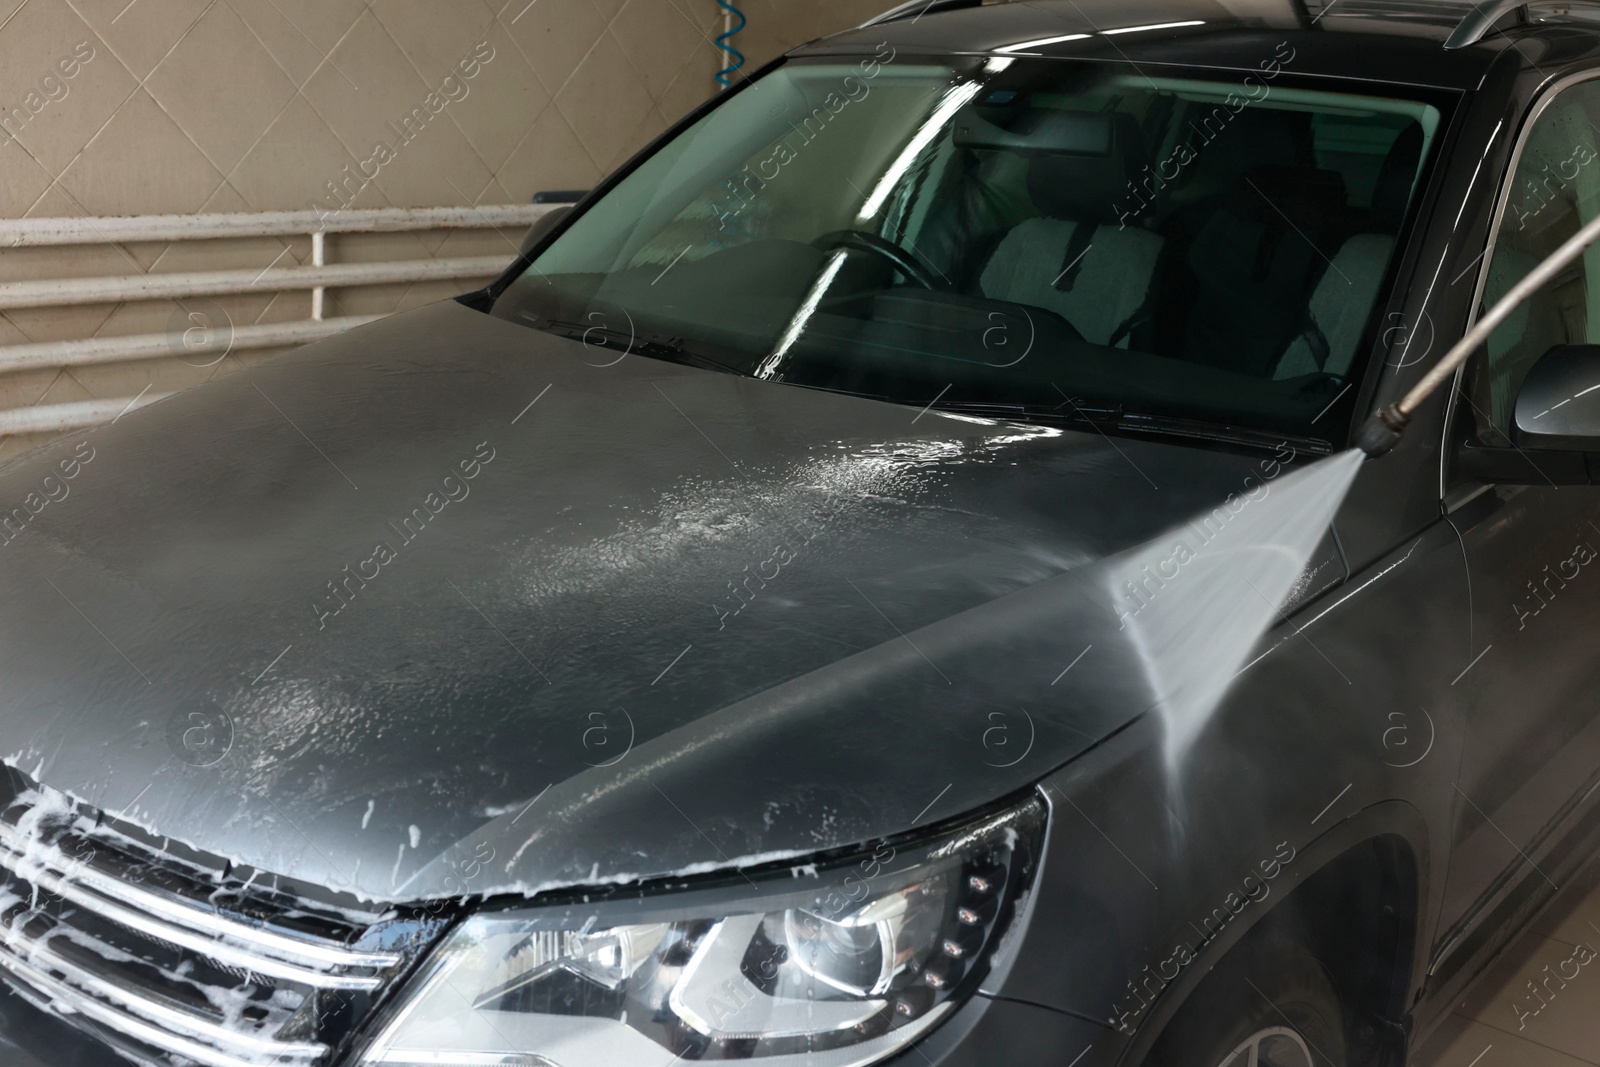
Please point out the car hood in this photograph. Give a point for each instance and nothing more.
(446, 587)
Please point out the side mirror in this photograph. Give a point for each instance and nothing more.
(541, 229)
(1558, 406)
(1555, 426)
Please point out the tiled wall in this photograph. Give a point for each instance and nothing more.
(113, 107)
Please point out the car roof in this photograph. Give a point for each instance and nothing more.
(1394, 41)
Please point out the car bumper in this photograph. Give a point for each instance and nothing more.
(987, 1032)
(984, 1033)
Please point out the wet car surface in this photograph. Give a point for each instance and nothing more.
(594, 670)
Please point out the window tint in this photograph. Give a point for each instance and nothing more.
(1554, 191)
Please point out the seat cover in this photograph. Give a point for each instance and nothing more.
(1114, 273)
(1112, 279)
(1340, 305)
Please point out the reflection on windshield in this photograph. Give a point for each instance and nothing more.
(1010, 235)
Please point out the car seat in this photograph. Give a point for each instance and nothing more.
(1254, 261)
(1076, 259)
(1344, 296)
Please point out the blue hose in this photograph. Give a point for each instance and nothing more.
(735, 57)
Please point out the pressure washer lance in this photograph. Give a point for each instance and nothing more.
(1382, 430)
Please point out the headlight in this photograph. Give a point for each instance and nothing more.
(837, 965)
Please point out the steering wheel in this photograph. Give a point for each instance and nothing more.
(883, 248)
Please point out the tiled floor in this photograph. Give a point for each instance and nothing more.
(1496, 1024)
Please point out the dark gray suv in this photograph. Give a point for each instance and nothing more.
(803, 611)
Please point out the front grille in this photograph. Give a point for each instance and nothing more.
(170, 958)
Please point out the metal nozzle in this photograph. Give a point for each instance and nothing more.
(1382, 430)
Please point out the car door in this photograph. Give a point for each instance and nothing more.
(1531, 748)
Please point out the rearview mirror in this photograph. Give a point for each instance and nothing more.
(1558, 406)
(541, 228)
(1078, 133)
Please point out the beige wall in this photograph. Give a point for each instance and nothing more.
(172, 106)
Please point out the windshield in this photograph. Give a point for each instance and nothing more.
(1008, 236)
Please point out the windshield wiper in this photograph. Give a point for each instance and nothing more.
(1094, 412)
(1113, 416)
(618, 340)
(670, 350)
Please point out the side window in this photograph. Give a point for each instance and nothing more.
(1555, 190)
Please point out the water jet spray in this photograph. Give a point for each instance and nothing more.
(1203, 625)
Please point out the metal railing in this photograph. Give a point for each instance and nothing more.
(317, 277)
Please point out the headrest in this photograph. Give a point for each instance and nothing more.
(1222, 156)
(1275, 204)
(1311, 200)
(1083, 186)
